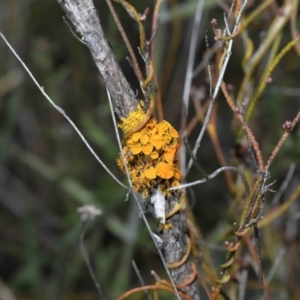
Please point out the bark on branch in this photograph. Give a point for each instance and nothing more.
(85, 20)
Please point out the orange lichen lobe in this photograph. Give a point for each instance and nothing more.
(154, 155)
(157, 141)
(144, 139)
(136, 136)
(147, 149)
(170, 153)
(150, 173)
(174, 133)
(164, 170)
(150, 153)
(136, 149)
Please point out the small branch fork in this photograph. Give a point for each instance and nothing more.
(253, 209)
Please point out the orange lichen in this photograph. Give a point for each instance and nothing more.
(150, 173)
(144, 139)
(170, 154)
(136, 136)
(154, 155)
(150, 153)
(135, 149)
(174, 133)
(164, 170)
(157, 141)
(147, 149)
(133, 120)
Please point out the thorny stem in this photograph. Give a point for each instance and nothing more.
(176, 261)
(176, 254)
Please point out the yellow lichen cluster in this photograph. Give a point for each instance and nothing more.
(150, 154)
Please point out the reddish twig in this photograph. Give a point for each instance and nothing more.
(247, 129)
(135, 64)
(288, 126)
(158, 101)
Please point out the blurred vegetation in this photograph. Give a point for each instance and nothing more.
(47, 172)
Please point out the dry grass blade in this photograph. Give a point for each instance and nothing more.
(217, 88)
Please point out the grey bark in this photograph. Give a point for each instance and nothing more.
(175, 246)
(84, 18)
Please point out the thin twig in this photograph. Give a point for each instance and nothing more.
(138, 274)
(216, 91)
(288, 127)
(134, 61)
(208, 64)
(214, 174)
(189, 76)
(259, 266)
(87, 260)
(205, 62)
(158, 99)
(284, 185)
(62, 112)
(242, 279)
(246, 128)
(201, 171)
(276, 263)
(277, 148)
(294, 31)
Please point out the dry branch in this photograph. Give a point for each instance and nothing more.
(174, 242)
(84, 18)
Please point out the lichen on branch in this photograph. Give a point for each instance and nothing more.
(150, 153)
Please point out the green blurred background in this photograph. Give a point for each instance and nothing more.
(46, 172)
